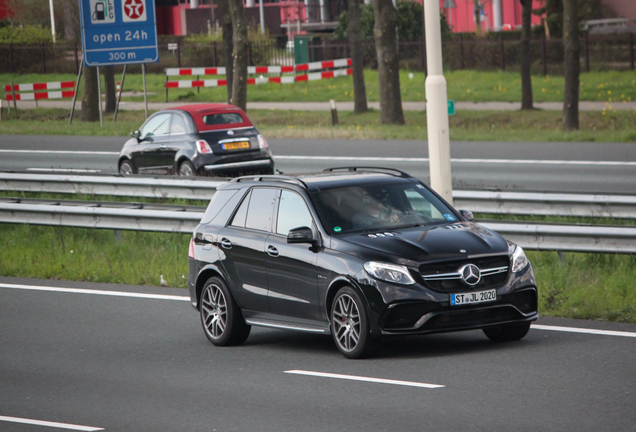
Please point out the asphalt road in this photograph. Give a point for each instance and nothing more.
(551, 166)
(143, 364)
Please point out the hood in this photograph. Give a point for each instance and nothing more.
(440, 242)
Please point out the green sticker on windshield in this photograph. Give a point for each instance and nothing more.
(337, 229)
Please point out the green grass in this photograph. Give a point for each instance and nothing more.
(585, 286)
(467, 85)
(535, 125)
(139, 258)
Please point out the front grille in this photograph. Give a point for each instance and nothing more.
(456, 284)
(471, 318)
(404, 316)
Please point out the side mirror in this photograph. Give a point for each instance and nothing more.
(136, 134)
(301, 235)
(467, 214)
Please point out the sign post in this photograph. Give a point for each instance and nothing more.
(117, 32)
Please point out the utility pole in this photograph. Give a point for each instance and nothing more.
(437, 106)
(52, 19)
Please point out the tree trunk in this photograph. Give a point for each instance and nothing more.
(71, 20)
(90, 108)
(477, 10)
(226, 28)
(526, 56)
(239, 54)
(572, 49)
(110, 89)
(388, 62)
(354, 32)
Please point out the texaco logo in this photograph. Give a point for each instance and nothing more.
(134, 10)
(470, 274)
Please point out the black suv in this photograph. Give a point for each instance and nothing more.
(361, 253)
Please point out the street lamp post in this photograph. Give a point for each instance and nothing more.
(437, 106)
(52, 20)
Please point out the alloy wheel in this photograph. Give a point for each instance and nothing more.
(214, 311)
(346, 322)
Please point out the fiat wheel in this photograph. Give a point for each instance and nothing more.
(186, 169)
(350, 325)
(221, 318)
(126, 168)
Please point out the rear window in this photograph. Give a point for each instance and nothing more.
(208, 121)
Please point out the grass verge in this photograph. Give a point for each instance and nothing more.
(535, 125)
(465, 85)
(584, 286)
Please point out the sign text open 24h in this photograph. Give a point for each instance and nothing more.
(118, 32)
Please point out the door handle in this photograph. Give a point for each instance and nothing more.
(272, 251)
(226, 243)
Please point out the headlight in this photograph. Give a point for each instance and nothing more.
(519, 259)
(389, 272)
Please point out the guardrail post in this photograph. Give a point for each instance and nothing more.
(117, 236)
(562, 257)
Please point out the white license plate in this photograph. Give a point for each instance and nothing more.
(473, 297)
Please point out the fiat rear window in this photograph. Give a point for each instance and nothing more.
(209, 121)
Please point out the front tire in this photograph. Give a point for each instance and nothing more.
(186, 169)
(350, 325)
(507, 332)
(126, 168)
(221, 317)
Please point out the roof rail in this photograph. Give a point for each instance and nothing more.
(270, 177)
(371, 169)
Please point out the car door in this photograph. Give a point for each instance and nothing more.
(243, 244)
(174, 142)
(292, 275)
(154, 137)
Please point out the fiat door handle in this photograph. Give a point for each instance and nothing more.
(225, 243)
(272, 251)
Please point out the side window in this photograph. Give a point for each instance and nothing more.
(261, 209)
(178, 125)
(241, 213)
(158, 125)
(292, 213)
(217, 203)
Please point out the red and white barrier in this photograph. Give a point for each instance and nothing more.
(37, 94)
(261, 80)
(252, 70)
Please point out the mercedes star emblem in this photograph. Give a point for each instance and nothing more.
(470, 274)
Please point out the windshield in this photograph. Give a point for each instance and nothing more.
(380, 207)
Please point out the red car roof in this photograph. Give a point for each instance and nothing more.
(198, 111)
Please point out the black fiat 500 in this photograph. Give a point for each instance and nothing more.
(198, 139)
(360, 253)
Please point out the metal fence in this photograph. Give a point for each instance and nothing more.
(183, 219)
(602, 52)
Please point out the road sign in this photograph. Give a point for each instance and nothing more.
(451, 107)
(118, 32)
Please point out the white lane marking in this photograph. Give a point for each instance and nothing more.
(584, 330)
(49, 424)
(184, 298)
(484, 161)
(95, 292)
(63, 170)
(366, 379)
(101, 153)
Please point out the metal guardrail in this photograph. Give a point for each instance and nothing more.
(147, 187)
(546, 204)
(128, 216)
